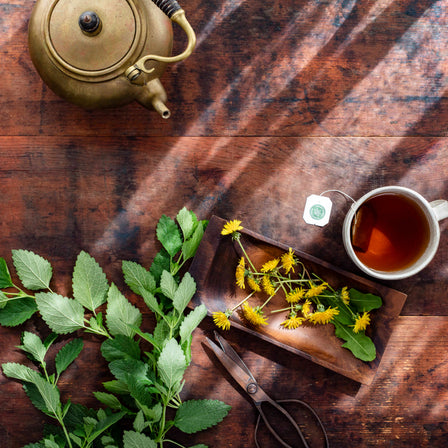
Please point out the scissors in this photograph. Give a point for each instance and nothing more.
(242, 375)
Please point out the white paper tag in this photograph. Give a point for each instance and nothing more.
(317, 210)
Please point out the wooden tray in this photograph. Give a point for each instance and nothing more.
(214, 271)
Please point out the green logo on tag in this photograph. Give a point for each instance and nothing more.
(317, 212)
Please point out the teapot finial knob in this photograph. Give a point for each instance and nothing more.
(89, 22)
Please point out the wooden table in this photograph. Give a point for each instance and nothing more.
(280, 100)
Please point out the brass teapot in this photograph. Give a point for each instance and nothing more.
(107, 53)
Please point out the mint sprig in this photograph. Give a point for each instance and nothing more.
(148, 384)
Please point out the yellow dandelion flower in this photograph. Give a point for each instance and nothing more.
(221, 319)
(323, 317)
(295, 295)
(253, 284)
(345, 297)
(292, 322)
(306, 308)
(240, 273)
(254, 315)
(288, 261)
(231, 227)
(314, 291)
(361, 322)
(267, 285)
(270, 265)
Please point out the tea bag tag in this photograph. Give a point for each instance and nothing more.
(317, 210)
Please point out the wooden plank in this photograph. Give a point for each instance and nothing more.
(290, 68)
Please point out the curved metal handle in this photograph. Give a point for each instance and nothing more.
(291, 420)
(172, 9)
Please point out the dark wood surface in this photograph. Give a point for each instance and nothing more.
(280, 100)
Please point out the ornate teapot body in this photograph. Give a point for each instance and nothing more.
(106, 53)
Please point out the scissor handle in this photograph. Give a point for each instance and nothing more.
(281, 409)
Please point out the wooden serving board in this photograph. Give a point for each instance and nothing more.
(214, 271)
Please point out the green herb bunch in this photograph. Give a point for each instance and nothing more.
(144, 397)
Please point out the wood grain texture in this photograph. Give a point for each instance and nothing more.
(280, 100)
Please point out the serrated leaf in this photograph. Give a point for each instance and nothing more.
(109, 400)
(186, 222)
(90, 284)
(68, 354)
(169, 235)
(138, 278)
(139, 422)
(116, 387)
(151, 302)
(51, 444)
(358, 343)
(20, 372)
(15, 312)
(201, 445)
(161, 332)
(364, 301)
(61, 314)
(32, 344)
(35, 397)
(184, 293)
(160, 263)
(33, 270)
(168, 284)
(121, 347)
(197, 415)
(5, 277)
(123, 369)
(105, 423)
(121, 314)
(191, 321)
(132, 439)
(190, 246)
(171, 364)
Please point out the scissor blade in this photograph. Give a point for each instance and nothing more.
(240, 376)
(229, 350)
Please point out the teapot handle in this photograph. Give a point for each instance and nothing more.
(173, 10)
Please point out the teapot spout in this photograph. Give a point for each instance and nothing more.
(153, 95)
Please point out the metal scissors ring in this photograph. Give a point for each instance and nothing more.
(243, 376)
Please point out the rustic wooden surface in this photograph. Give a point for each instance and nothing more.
(280, 100)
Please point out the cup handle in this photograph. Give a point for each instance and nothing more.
(440, 208)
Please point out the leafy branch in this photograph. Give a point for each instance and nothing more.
(147, 385)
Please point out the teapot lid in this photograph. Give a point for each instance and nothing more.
(92, 37)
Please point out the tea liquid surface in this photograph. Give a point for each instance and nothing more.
(389, 232)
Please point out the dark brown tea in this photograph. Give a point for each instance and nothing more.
(389, 232)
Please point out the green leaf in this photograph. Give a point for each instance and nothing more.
(197, 415)
(160, 263)
(68, 354)
(191, 321)
(121, 347)
(358, 343)
(109, 400)
(20, 372)
(364, 301)
(184, 293)
(51, 444)
(5, 277)
(35, 397)
(61, 314)
(116, 387)
(121, 314)
(171, 364)
(169, 235)
(32, 344)
(123, 369)
(89, 282)
(168, 284)
(105, 423)
(201, 445)
(138, 278)
(132, 439)
(161, 332)
(151, 302)
(34, 271)
(186, 221)
(139, 422)
(17, 311)
(191, 245)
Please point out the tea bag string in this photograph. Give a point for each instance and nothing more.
(346, 196)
